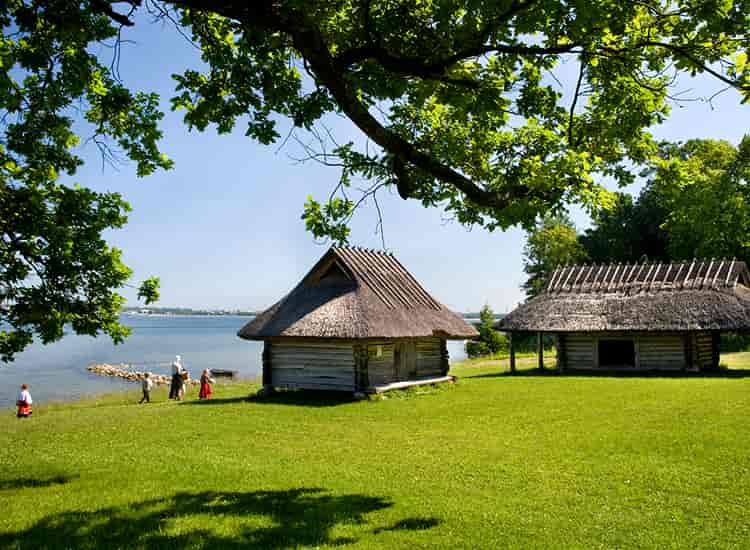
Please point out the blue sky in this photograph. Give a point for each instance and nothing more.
(223, 229)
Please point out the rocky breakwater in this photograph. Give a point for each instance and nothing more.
(124, 371)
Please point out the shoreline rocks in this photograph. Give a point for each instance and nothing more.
(124, 371)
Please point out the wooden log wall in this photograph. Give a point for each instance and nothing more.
(661, 352)
(313, 365)
(405, 358)
(429, 357)
(703, 350)
(579, 350)
(381, 369)
(653, 351)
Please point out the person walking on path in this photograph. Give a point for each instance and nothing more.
(206, 381)
(24, 402)
(146, 384)
(177, 387)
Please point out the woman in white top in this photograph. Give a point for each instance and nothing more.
(24, 402)
(177, 387)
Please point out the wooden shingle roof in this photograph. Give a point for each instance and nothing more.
(356, 293)
(682, 296)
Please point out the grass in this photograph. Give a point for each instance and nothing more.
(494, 461)
(523, 359)
(736, 361)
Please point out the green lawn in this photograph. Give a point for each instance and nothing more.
(493, 461)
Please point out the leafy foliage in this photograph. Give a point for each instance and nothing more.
(695, 203)
(631, 231)
(467, 118)
(490, 341)
(55, 267)
(149, 290)
(702, 186)
(329, 220)
(733, 342)
(552, 243)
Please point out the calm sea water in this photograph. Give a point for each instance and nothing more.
(58, 371)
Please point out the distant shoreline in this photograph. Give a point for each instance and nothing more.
(188, 312)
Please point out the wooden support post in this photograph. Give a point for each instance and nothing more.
(560, 348)
(512, 353)
(540, 349)
(361, 360)
(689, 356)
(715, 349)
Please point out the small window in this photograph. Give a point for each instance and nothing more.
(616, 353)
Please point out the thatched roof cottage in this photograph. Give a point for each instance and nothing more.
(359, 322)
(639, 317)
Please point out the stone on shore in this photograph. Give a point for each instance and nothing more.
(124, 371)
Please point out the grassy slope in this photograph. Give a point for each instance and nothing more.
(493, 461)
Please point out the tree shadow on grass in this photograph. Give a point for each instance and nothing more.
(411, 524)
(34, 482)
(259, 519)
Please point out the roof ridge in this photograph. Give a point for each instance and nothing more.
(360, 248)
(654, 276)
(383, 274)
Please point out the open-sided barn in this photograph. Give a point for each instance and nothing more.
(639, 317)
(359, 322)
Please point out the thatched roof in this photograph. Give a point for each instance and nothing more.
(695, 295)
(357, 293)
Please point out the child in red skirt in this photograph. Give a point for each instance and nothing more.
(206, 381)
(24, 402)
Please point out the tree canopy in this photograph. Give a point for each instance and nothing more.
(695, 203)
(631, 231)
(551, 243)
(458, 98)
(459, 95)
(703, 187)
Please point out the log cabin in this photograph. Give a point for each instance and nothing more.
(357, 322)
(642, 317)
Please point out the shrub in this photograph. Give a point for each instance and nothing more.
(490, 341)
(732, 341)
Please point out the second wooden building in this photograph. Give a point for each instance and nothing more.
(639, 317)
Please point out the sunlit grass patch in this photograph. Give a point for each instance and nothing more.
(492, 461)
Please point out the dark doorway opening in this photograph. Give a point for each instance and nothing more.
(616, 353)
